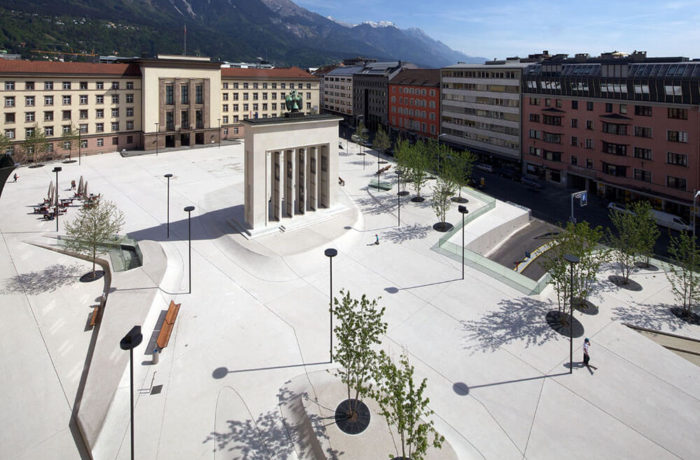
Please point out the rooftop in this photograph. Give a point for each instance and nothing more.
(294, 73)
(417, 77)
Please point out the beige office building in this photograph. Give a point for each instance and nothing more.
(142, 104)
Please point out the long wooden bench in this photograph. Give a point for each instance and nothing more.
(383, 170)
(168, 323)
(95, 317)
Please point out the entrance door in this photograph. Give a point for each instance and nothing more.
(169, 141)
(184, 139)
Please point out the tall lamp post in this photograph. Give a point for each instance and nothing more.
(157, 137)
(692, 211)
(168, 176)
(189, 210)
(463, 210)
(398, 193)
(129, 342)
(57, 169)
(573, 260)
(330, 253)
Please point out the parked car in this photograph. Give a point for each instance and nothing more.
(664, 219)
(532, 182)
(483, 167)
(509, 173)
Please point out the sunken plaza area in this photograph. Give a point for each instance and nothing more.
(246, 373)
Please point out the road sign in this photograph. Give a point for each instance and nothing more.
(583, 199)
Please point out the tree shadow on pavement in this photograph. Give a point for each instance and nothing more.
(47, 280)
(650, 316)
(514, 319)
(377, 205)
(407, 233)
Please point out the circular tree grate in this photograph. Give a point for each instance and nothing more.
(352, 421)
(88, 277)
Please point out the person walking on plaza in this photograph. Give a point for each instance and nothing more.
(16, 177)
(376, 241)
(586, 355)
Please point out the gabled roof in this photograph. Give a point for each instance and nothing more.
(345, 71)
(417, 77)
(278, 72)
(50, 68)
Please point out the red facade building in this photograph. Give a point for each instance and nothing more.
(414, 103)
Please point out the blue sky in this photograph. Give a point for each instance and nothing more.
(509, 27)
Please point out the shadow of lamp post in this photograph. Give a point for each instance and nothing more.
(189, 210)
(129, 342)
(463, 210)
(168, 176)
(573, 260)
(57, 169)
(330, 253)
(157, 137)
(398, 194)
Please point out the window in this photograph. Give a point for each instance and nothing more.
(673, 90)
(100, 85)
(28, 132)
(589, 124)
(129, 98)
(547, 102)
(99, 113)
(255, 107)
(589, 106)
(225, 95)
(255, 96)
(29, 85)
(66, 100)
(48, 85)
(129, 125)
(115, 141)
(129, 85)
(640, 131)
(115, 113)
(551, 120)
(66, 129)
(644, 154)
(198, 94)
(552, 156)
(574, 105)
(49, 147)
(184, 119)
(100, 142)
(675, 182)
(589, 163)
(264, 96)
(9, 101)
(551, 137)
(99, 127)
(245, 107)
(115, 99)
(642, 175)
(677, 136)
(83, 128)
(574, 160)
(83, 114)
(235, 107)
(235, 96)
(169, 121)
(29, 101)
(129, 111)
(10, 133)
(129, 139)
(83, 85)
(48, 100)
(245, 85)
(608, 107)
(115, 85)
(99, 99)
(9, 86)
(48, 130)
(67, 145)
(614, 128)
(169, 95)
(9, 117)
(614, 170)
(235, 118)
(574, 123)
(614, 149)
(678, 114)
(623, 108)
(225, 109)
(66, 114)
(245, 96)
(677, 159)
(534, 101)
(235, 85)
(225, 120)
(48, 116)
(184, 94)
(534, 134)
(66, 85)
(28, 116)
(534, 117)
(83, 99)
(589, 143)
(282, 86)
(115, 126)
(574, 141)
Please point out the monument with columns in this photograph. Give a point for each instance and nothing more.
(291, 168)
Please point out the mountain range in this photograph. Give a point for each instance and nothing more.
(278, 31)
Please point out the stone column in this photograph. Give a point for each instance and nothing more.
(324, 185)
(289, 186)
(277, 178)
(312, 178)
(300, 180)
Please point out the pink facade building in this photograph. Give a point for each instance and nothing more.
(624, 128)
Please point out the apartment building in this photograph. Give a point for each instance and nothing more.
(260, 93)
(414, 103)
(167, 101)
(481, 109)
(370, 92)
(624, 127)
(338, 90)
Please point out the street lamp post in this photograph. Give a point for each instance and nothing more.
(330, 253)
(189, 210)
(157, 137)
(129, 342)
(57, 169)
(398, 194)
(79, 145)
(168, 176)
(219, 119)
(463, 210)
(692, 211)
(573, 260)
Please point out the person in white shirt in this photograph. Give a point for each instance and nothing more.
(586, 356)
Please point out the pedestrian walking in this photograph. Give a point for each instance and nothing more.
(16, 177)
(586, 356)
(72, 184)
(376, 241)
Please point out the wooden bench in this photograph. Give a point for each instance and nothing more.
(95, 317)
(383, 170)
(168, 323)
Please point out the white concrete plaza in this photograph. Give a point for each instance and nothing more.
(256, 323)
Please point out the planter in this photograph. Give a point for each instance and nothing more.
(459, 199)
(352, 416)
(560, 323)
(443, 227)
(88, 277)
(418, 199)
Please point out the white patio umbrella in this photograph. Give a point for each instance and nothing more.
(50, 193)
(80, 186)
(85, 192)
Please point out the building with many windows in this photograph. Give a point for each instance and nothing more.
(337, 90)
(168, 101)
(480, 108)
(370, 92)
(627, 128)
(414, 102)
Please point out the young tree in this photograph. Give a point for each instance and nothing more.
(360, 329)
(5, 143)
(381, 141)
(683, 273)
(93, 226)
(402, 153)
(418, 166)
(580, 240)
(623, 241)
(442, 191)
(647, 232)
(461, 169)
(36, 144)
(70, 137)
(405, 408)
